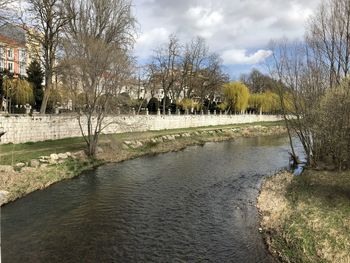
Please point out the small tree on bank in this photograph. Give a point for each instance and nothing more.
(313, 87)
(96, 49)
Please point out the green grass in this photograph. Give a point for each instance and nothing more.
(19, 184)
(10, 154)
(318, 228)
(13, 153)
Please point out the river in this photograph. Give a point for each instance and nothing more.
(197, 205)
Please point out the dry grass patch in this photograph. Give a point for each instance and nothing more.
(307, 218)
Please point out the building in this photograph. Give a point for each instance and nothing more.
(13, 56)
(17, 50)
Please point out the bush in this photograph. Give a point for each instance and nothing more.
(153, 105)
(332, 127)
(185, 104)
(55, 99)
(137, 102)
(167, 103)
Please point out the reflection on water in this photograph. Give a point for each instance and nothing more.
(197, 205)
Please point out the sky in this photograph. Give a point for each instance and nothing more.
(238, 30)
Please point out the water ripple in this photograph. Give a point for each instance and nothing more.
(192, 206)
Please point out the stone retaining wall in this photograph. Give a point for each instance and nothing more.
(21, 128)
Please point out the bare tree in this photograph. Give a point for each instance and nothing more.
(152, 79)
(166, 66)
(193, 62)
(96, 46)
(216, 77)
(43, 21)
(285, 67)
(142, 81)
(328, 36)
(258, 82)
(302, 84)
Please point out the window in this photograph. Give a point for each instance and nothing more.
(10, 66)
(23, 69)
(22, 55)
(1, 65)
(10, 53)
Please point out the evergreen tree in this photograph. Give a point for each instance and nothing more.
(35, 76)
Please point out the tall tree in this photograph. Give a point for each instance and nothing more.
(194, 61)
(210, 79)
(166, 66)
(96, 48)
(258, 82)
(328, 37)
(35, 76)
(44, 21)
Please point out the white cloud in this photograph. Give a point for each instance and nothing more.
(204, 17)
(299, 13)
(150, 40)
(230, 27)
(240, 56)
(204, 21)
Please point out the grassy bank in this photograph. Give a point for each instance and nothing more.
(16, 183)
(307, 218)
(10, 154)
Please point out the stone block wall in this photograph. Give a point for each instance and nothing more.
(22, 128)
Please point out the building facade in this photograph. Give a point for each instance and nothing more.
(17, 50)
(13, 56)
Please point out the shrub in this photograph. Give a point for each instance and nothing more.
(153, 105)
(332, 127)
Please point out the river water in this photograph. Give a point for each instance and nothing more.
(197, 205)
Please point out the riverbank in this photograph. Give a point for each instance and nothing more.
(33, 166)
(307, 218)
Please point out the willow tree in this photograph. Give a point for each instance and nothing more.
(18, 92)
(236, 95)
(264, 102)
(97, 42)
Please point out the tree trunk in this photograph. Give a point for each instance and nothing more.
(92, 149)
(46, 94)
(164, 102)
(44, 103)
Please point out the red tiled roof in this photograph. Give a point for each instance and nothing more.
(9, 41)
